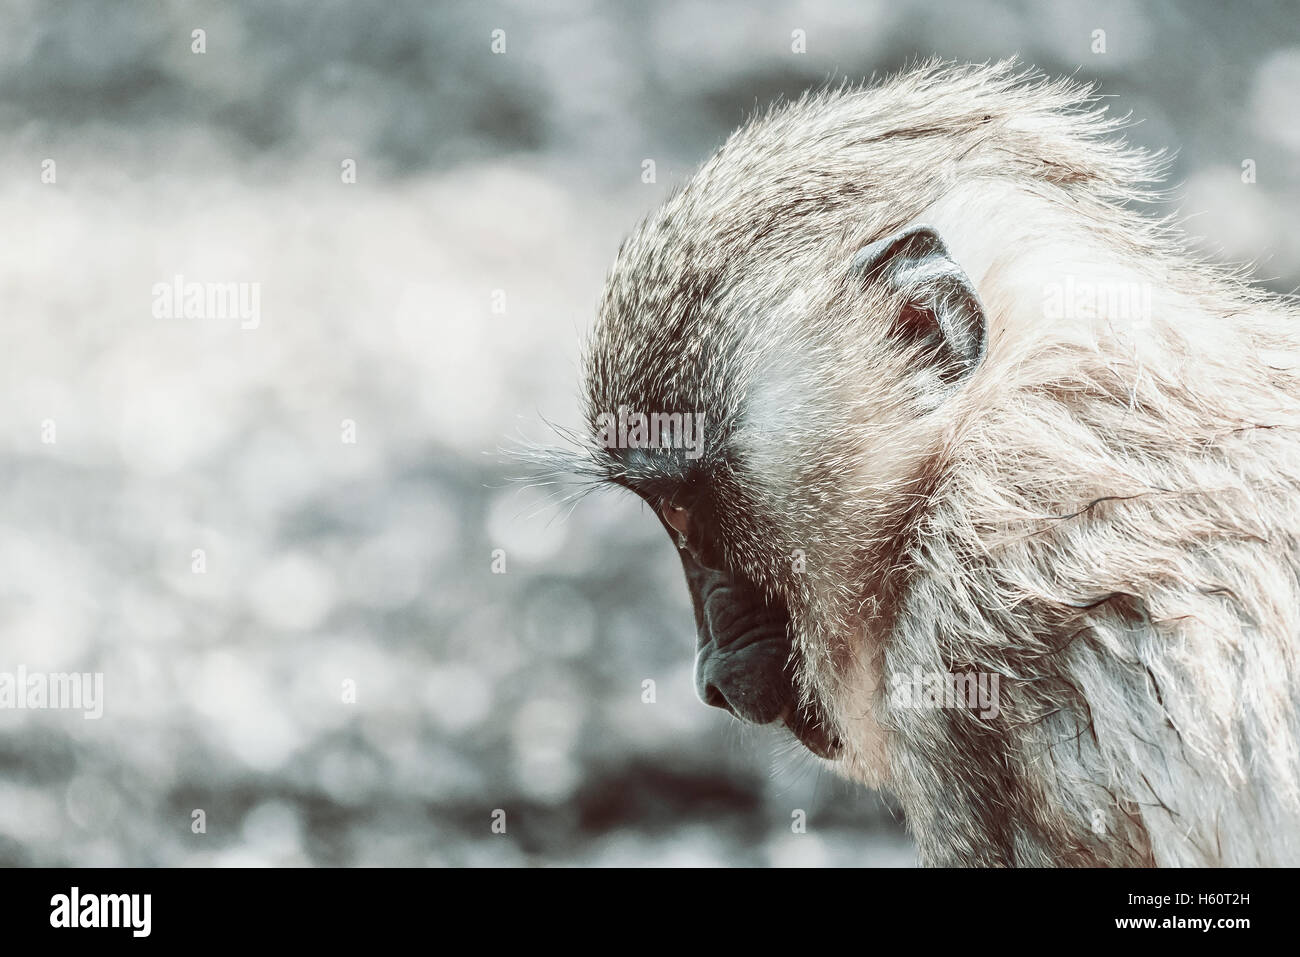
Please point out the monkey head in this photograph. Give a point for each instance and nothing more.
(802, 335)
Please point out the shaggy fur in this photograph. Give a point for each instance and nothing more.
(1105, 514)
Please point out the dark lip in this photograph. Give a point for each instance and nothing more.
(807, 725)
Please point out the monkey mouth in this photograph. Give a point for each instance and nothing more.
(808, 725)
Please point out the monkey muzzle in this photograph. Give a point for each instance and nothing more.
(744, 656)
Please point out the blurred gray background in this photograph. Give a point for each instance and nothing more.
(482, 179)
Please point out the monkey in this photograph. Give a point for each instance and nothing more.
(970, 413)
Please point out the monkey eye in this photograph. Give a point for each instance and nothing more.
(692, 533)
(678, 518)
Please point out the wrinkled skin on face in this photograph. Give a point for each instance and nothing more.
(745, 656)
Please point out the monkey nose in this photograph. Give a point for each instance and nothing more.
(748, 681)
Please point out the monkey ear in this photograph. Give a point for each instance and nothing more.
(942, 308)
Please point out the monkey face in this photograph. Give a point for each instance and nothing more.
(770, 474)
(746, 662)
